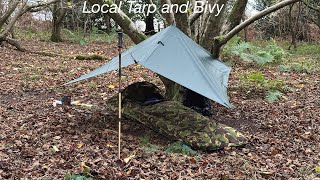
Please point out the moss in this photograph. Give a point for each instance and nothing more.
(87, 57)
(80, 57)
(142, 36)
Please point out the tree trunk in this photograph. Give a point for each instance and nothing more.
(149, 24)
(294, 27)
(174, 91)
(6, 15)
(212, 29)
(292, 31)
(237, 13)
(8, 18)
(56, 32)
(12, 42)
(169, 17)
(1, 8)
(108, 23)
(318, 20)
(58, 15)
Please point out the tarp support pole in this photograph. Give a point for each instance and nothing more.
(120, 44)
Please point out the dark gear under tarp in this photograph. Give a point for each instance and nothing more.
(143, 102)
(175, 56)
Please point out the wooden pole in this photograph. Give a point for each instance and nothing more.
(120, 42)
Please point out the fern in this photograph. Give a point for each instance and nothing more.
(251, 53)
(276, 51)
(296, 67)
(273, 96)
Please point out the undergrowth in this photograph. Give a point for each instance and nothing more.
(255, 82)
(76, 177)
(174, 148)
(32, 34)
(246, 51)
(85, 38)
(147, 146)
(180, 148)
(77, 37)
(296, 67)
(304, 59)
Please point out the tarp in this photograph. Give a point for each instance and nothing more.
(175, 56)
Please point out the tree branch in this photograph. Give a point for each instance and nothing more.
(13, 20)
(124, 22)
(13, 42)
(8, 13)
(193, 17)
(236, 14)
(38, 7)
(311, 7)
(249, 21)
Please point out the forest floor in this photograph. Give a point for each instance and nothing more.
(39, 141)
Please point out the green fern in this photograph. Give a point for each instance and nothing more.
(273, 96)
(251, 53)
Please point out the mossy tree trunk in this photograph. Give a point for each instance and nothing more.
(58, 14)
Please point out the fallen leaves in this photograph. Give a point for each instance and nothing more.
(80, 145)
(38, 141)
(55, 149)
(127, 159)
(111, 86)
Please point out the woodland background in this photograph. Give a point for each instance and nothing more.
(274, 84)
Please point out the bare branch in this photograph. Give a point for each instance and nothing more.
(12, 42)
(249, 21)
(13, 20)
(311, 7)
(193, 17)
(38, 7)
(8, 13)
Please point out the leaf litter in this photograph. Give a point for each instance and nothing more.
(39, 141)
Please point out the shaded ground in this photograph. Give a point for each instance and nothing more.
(283, 137)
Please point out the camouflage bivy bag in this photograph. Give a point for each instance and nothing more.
(143, 102)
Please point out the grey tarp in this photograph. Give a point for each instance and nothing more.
(175, 56)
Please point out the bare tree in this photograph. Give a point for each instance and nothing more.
(15, 9)
(314, 6)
